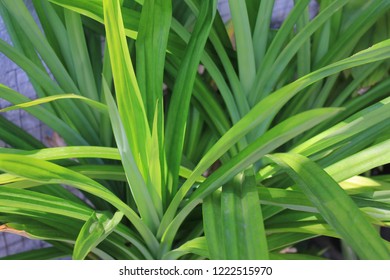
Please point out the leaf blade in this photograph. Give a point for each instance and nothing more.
(334, 205)
(130, 105)
(142, 193)
(178, 109)
(93, 232)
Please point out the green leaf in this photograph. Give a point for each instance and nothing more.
(244, 45)
(271, 140)
(235, 221)
(130, 105)
(275, 48)
(67, 152)
(294, 45)
(212, 217)
(33, 229)
(286, 198)
(69, 134)
(55, 32)
(26, 200)
(17, 137)
(94, 231)
(156, 179)
(104, 172)
(304, 53)
(182, 92)
(298, 201)
(37, 212)
(18, 10)
(278, 241)
(196, 246)
(355, 25)
(80, 55)
(271, 104)
(32, 31)
(261, 30)
(334, 205)
(46, 172)
(22, 43)
(75, 119)
(144, 195)
(151, 47)
(376, 155)
(358, 124)
(97, 105)
(360, 184)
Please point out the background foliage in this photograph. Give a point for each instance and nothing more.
(188, 143)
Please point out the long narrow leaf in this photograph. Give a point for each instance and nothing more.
(69, 134)
(80, 55)
(178, 109)
(94, 231)
(261, 30)
(151, 48)
(130, 105)
(143, 195)
(334, 205)
(245, 51)
(213, 226)
(243, 231)
(263, 145)
(374, 156)
(97, 105)
(42, 171)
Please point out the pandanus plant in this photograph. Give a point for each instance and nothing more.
(188, 144)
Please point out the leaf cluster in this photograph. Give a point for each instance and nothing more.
(189, 143)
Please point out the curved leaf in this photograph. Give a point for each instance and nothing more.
(94, 231)
(334, 205)
(182, 92)
(42, 171)
(97, 105)
(271, 140)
